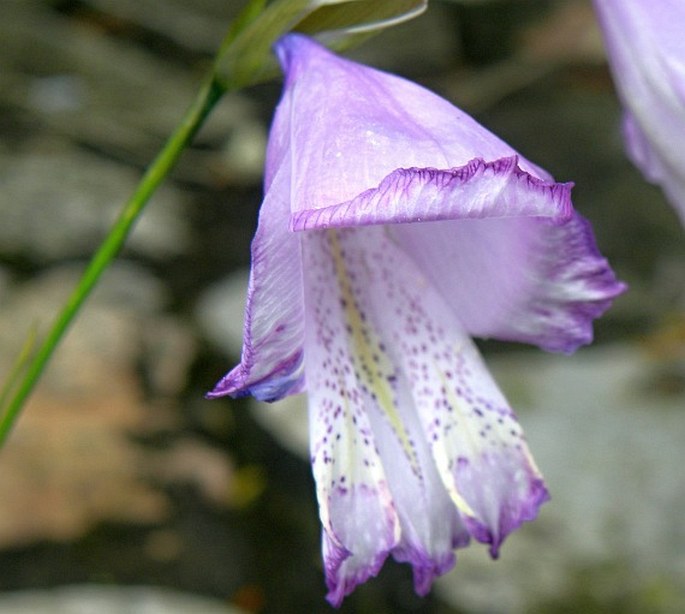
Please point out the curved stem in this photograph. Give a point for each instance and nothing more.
(205, 101)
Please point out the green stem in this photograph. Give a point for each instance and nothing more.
(206, 99)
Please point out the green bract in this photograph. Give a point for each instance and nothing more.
(245, 57)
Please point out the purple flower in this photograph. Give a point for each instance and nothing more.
(646, 47)
(393, 228)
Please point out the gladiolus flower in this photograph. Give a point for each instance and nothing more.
(394, 227)
(645, 44)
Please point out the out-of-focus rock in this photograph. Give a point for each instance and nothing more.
(57, 201)
(110, 600)
(75, 457)
(199, 26)
(220, 312)
(81, 84)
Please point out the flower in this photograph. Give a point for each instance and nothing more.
(645, 44)
(394, 227)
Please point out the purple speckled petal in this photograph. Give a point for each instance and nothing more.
(359, 518)
(646, 50)
(354, 373)
(271, 365)
(476, 443)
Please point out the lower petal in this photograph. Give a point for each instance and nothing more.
(477, 442)
(363, 414)
(473, 436)
(359, 518)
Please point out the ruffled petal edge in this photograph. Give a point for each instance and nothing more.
(476, 190)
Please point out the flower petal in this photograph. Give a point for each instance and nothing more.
(477, 190)
(271, 363)
(646, 51)
(507, 238)
(357, 125)
(484, 460)
(370, 151)
(475, 440)
(351, 368)
(529, 279)
(359, 518)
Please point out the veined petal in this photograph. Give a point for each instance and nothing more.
(362, 124)
(271, 364)
(477, 190)
(359, 519)
(477, 443)
(376, 149)
(509, 255)
(475, 440)
(352, 375)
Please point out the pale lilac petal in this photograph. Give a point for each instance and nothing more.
(474, 438)
(359, 519)
(389, 152)
(484, 460)
(271, 365)
(646, 50)
(477, 190)
(362, 124)
(352, 372)
(510, 255)
(534, 280)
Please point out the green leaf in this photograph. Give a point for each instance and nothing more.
(250, 12)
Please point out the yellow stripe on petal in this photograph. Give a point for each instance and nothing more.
(440, 453)
(373, 367)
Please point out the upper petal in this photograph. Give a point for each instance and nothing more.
(509, 254)
(479, 189)
(375, 149)
(353, 125)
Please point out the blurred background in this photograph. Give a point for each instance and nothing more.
(123, 490)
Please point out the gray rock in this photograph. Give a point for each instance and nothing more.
(57, 201)
(122, 326)
(93, 599)
(112, 95)
(199, 26)
(220, 312)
